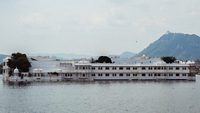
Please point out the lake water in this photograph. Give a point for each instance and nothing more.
(102, 97)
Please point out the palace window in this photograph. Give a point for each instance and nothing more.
(150, 74)
(170, 68)
(184, 74)
(177, 68)
(127, 68)
(150, 68)
(107, 68)
(93, 74)
(114, 68)
(177, 74)
(42, 75)
(93, 68)
(184, 68)
(143, 74)
(120, 68)
(120, 74)
(143, 68)
(127, 74)
(99, 74)
(107, 74)
(114, 74)
(134, 68)
(100, 68)
(134, 74)
(170, 74)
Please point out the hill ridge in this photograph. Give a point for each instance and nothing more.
(182, 46)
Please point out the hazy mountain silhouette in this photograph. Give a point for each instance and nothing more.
(127, 54)
(182, 46)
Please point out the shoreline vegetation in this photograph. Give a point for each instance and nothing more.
(20, 61)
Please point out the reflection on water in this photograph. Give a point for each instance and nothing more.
(101, 97)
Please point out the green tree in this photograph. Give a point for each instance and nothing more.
(20, 61)
(168, 59)
(103, 59)
(1, 68)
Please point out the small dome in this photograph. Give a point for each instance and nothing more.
(37, 70)
(83, 62)
(190, 62)
(59, 70)
(40, 70)
(16, 70)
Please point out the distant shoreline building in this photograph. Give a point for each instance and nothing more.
(47, 69)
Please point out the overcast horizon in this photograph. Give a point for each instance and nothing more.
(92, 27)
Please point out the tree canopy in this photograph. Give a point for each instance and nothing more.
(1, 68)
(168, 59)
(20, 61)
(102, 59)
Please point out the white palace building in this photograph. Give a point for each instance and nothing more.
(47, 69)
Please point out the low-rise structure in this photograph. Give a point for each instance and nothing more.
(47, 69)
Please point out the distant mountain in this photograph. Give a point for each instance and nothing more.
(63, 55)
(127, 54)
(123, 55)
(2, 56)
(182, 46)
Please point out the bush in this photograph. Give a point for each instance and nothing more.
(20, 61)
(168, 59)
(102, 59)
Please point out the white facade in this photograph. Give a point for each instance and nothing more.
(55, 70)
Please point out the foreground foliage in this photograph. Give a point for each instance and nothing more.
(20, 61)
(168, 59)
(102, 59)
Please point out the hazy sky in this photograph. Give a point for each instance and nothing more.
(92, 26)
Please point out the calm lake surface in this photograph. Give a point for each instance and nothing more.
(102, 97)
